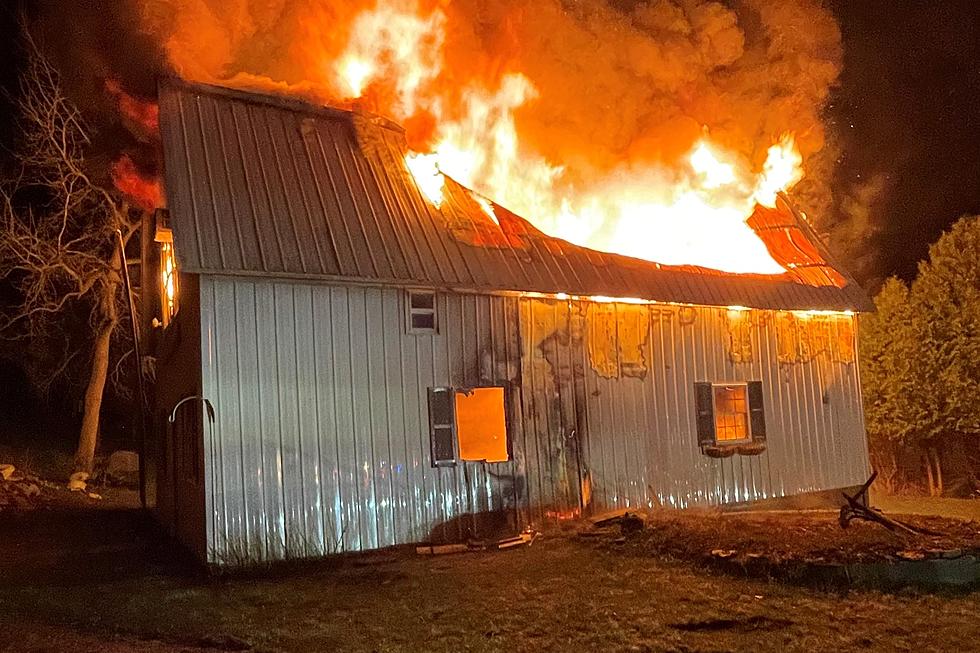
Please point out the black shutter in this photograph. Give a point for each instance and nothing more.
(442, 426)
(757, 411)
(705, 410)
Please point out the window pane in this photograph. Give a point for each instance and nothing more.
(481, 424)
(731, 413)
(423, 300)
(423, 321)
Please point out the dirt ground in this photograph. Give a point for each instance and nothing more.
(103, 580)
(801, 537)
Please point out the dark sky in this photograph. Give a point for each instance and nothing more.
(907, 111)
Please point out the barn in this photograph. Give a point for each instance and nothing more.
(344, 366)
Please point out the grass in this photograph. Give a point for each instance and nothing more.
(917, 505)
(103, 581)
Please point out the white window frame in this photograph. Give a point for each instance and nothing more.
(411, 311)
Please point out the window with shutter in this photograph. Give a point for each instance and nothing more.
(442, 427)
(468, 425)
(730, 418)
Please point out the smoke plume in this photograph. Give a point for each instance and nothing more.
(615, 81)
(599, 96)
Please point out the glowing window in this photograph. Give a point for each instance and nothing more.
(168, 281)
(731, 410)
(730, 418)
(481, 424)
(468, 425)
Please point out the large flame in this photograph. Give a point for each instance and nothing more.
(651, 128)
(693, 212)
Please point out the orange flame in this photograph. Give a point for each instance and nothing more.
(145, 115)
(692, 213)
(145, 191)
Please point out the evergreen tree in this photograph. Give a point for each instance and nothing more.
(921, 359)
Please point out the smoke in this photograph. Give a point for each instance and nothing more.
(617, 82)
(599, 95)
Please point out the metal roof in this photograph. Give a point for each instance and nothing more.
(259, 185)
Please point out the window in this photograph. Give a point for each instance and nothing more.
(168, 273)
(731, 413)
(468, 425)
(168, 281)
(730, 418)
(421, 311)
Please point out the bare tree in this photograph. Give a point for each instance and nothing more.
(58, 239)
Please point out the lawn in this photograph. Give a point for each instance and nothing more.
(100, 580)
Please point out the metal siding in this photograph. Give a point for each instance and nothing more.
(641, 440)
(263, 186)
(321, 442)
(321, 439)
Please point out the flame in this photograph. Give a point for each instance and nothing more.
(783, 170)
(146, 192)
(168, 278)
(705, 163)
(393, 42)
(425, 170)
(144, 114)
(466, 79)
(487, 207)
(694, 212)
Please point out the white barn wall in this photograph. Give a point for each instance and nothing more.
(321, 440)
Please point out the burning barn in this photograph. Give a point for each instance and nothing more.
(349, 364)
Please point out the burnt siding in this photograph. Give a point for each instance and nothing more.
(321, 443)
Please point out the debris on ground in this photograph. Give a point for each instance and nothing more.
(18, 491)
(627, 520)
(857, 508)
(6, 471)
(771, 539)
(77, 482)
(525, 538)
(123, 468)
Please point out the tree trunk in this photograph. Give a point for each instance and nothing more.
(937, 461)
(88, 437)
(932, 486)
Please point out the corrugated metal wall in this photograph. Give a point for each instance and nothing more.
(813, 413)
(321, 441)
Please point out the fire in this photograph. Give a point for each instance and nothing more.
(487, 207)
(783, 169)
(141, 113)
(588, 119)
(715, 173)
(393, 42)
(693, 212)
(168, 278)
(425, 170)
(145, 191)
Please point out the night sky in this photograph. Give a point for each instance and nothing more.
(906, 111)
